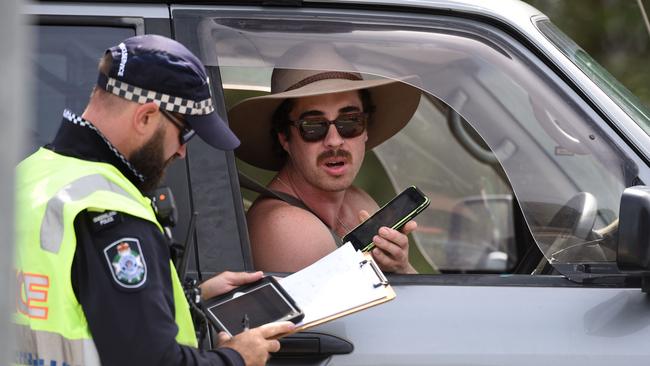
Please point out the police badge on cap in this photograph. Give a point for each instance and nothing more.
(126, 263)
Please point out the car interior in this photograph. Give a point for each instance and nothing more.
(453, 235)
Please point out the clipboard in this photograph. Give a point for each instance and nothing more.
(342, 283)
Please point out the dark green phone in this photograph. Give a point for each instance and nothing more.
(394, 214)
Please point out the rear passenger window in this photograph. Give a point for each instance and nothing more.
(65, 66)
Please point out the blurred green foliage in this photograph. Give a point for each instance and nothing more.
(613, 32)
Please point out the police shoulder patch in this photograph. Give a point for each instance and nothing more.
(126, 263)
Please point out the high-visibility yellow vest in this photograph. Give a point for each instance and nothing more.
(51, 190)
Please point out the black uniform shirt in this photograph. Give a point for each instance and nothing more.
(130, 311)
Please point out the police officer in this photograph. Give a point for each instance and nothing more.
(95, 279)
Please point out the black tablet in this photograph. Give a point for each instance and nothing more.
(261, 302)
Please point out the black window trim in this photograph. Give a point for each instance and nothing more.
(92, 21)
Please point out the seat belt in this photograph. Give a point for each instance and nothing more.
(249, 183)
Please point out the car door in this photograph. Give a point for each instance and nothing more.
(516, 253)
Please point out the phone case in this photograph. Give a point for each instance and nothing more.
(368, 244)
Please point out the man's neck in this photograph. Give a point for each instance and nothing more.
(110, 125)
(80, 138)
(325, 204)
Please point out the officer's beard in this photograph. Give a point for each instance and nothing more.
(149, 160)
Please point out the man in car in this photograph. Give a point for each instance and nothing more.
(97, 285)
(314, 128)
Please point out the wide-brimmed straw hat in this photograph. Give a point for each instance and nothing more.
(395, 102)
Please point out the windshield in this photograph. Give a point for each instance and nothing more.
(629, 102)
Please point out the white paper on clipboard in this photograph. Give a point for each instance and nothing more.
(343, 282)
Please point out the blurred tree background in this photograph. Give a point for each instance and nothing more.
(612, 31)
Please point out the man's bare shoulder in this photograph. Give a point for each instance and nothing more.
(284, 237)
(270, 209)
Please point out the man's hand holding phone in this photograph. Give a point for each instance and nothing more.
(385, 233)
(391, 251)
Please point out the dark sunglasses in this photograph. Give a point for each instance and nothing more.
(348, 125)
(186, 133)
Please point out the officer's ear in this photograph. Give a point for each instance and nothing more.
(146, 119)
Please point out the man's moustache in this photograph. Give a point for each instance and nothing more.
(333, 154)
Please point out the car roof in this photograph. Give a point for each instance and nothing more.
(514, 14)
(509, 11)
(516, 10)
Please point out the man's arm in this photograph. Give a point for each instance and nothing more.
(286, 238)
(131, 317)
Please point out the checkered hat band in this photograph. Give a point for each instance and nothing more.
(165, 101)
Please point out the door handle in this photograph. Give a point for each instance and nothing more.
(311, 344)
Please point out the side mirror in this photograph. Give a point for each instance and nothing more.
(633, 250)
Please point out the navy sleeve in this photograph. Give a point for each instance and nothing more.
(121, 276)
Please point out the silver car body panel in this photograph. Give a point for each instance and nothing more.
(494, 325)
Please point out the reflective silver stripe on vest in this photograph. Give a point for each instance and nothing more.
(38, 347)
(52, 225)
